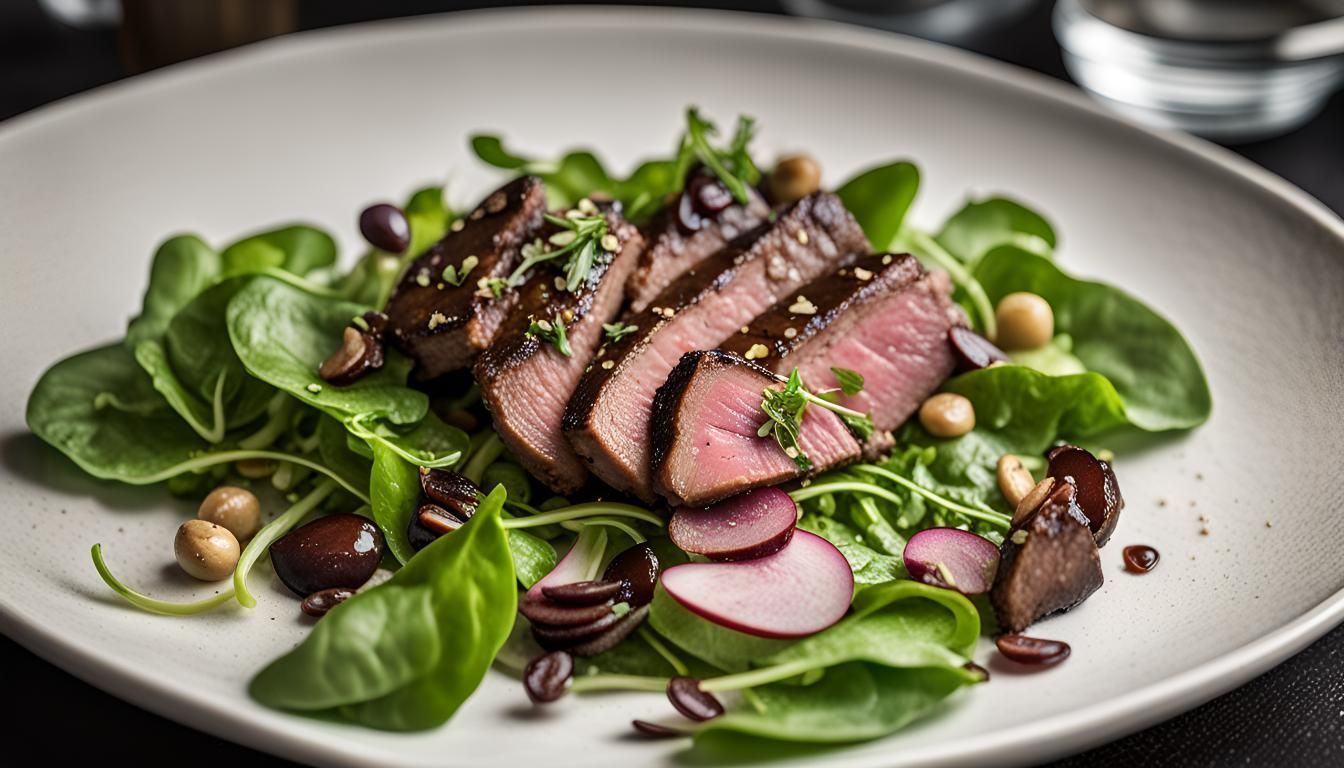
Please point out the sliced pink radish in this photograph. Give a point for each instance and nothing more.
(747, 526)
(798, 591)
(581, 563)
(953, 559)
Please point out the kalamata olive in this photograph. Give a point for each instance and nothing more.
(545, 612)
(559, 638)
(656, 730)
(637, 569)
(360, 354)
(614, 636)
(318, 603)
(547, 677)
(1032, 650)
(430, 522)
(972, 350)
(340, 550)
(385, 227)
(690, 701)
(583, 592)
(708, 195)
(1098, 491)
(688, 220)
(450, 490)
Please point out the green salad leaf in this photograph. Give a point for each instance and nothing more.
(869, 565)
(394, 494)
(297, 248)
(879, 199)
(405, 655)
(982, 225)
(183, 266)
(205, 418)
(1150, 363)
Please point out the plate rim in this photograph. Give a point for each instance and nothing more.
(1039, 740)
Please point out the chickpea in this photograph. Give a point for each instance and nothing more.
(206, 551)
(794, 177)
(1015, 480)
(1025, 321)
(235, 509)
(947, 415)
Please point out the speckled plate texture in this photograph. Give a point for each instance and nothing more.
(315, 126)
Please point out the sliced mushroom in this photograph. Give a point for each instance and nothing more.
(361, 353)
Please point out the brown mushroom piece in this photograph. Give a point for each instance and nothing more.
(1048, 564)
(1098, 491)
(360, 354)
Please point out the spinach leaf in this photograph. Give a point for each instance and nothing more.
(183, 267)
(982, 225)
(199, 351)
(533, 557)
(282, 334)
(429, 218)
(297, 248)
(879, 199)
(1140, 352)
(405, 655)
(206, 419)
(101, 409)
(719, 646)
(852, 702)
(869, 565)
(333, 447)
(394, 490)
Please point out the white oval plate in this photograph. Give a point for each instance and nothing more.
(315, 126)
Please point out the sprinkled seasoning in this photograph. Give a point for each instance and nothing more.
(457, 225)
(496, 202)
(607, 365)
(886, 259)
(746, 329)
(791, 452)
(802, 236)
(757, 351)
(559, 283)
(1019, 537)
(801, 306)
(437, 319)
(669, 312)
(422, 278)
(567, 315)
(789, 333)
(862, 273)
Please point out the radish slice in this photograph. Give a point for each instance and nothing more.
(798, 591)
(751, 525)
(953, 559)
(581, 563)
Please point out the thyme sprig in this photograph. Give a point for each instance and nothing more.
(785, 409)
(733, 165)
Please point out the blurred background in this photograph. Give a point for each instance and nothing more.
(1263, 77)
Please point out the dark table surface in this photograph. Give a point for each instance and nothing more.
(1291, 716)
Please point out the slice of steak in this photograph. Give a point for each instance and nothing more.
(1048, 563)
(672, 248)
(443, 326)
(608, 418)
(706, 444)
(884, 318)
(526, 382)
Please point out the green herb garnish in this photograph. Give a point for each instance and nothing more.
(733, 166)
(618, 330)
(553, 333)
(455, 275)
(786, 408)
(491, 286)
(581, 241)
(851, 382)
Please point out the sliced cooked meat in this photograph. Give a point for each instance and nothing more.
(705, 432)
(525, 382)
(443, 326)
(608, 418)
(1049, 563)
(672, 248)
(885, 318)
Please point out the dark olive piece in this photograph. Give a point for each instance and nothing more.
(1032, 650)
(340, 550)
(690, 701)
(688, 221)
(378, 323)
(582, 592)
(385, 227)
(545, 612)
(450, 490)
(1098, 491)
(318, 603)
(359, 355)
(555, 638)
(547, 677)
(436, 520)
(656, 731)
(614, 636)
(709, 196)
(637, 569)
(972, 350)
(1140, 558)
